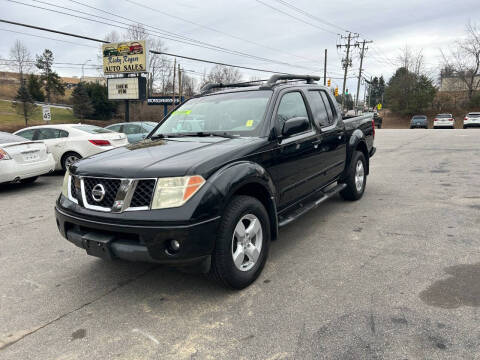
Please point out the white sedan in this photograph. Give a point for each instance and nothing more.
(471, 119)
(23, 161)
(71, 142)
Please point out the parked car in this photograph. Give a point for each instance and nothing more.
(71, 142)
(444, 120)
(378, 120)
(135, 131)
(419, 121)
(472, 119)
(23, 161)
(265, 156)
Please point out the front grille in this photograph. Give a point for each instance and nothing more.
(143, 193)
(73, 188)
(111, 188)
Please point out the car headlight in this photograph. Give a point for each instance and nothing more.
(65, 184)
(175, 191)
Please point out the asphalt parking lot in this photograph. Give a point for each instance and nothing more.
(395, 275)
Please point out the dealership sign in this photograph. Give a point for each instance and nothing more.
(163, 100)
(133, 88)
(125, 57)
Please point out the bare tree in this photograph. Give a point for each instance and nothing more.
(21, 59)
(464, 59)
(223, 74)
(159, 67)
(411, 60)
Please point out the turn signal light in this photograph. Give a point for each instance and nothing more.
(100, 142)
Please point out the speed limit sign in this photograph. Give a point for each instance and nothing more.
(47, 116)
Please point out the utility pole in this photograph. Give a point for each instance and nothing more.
(362, 54)
(370, 92)
(346, 62)
(180, 83)
(173, 84)
(325, 69)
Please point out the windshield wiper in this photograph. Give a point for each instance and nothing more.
(206, 134)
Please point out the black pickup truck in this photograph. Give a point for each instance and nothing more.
(216, 179)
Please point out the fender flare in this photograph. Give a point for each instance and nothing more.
(243, 175)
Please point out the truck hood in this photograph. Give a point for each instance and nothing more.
(166, 157)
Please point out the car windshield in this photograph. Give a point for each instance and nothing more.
(444, 116)
(6, 138)
(419, 117)
(236, 113)
(91, 129)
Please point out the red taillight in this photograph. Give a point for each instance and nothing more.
(465, 118)
(100, 142)
(373, 127)
(435, 119)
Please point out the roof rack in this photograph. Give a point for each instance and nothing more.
(277, 77)
(209, 87)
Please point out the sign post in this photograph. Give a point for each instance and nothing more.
(47, 116)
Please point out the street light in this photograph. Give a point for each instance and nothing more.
(83, 73)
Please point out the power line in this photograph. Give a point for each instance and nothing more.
(210, 28)
(215, 62)
(151, 51)
(191, 42)
(309, 15)
(48, 38)
(295, 17)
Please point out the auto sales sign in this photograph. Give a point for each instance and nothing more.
(124, 57)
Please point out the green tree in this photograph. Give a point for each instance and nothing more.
(52, 83)
(376, 92)
(409, 93)
(103, 108)
(34, 87)
(82, 105)
(24, 103)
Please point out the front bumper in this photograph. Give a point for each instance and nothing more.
(134, 241)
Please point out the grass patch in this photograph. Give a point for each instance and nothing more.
(10, 121)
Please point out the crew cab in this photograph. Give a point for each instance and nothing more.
(212, 184)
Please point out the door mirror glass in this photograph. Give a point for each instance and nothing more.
(295, 125)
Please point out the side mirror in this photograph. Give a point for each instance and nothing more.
(295, 126)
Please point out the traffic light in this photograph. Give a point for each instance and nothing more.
(329, 82)
(336, 91)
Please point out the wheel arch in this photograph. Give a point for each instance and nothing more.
(251, 179)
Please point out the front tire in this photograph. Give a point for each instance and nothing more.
(356, 179)
(242, 243)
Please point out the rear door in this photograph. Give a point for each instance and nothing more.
(331, 148)
(55, 139)
(295, 158)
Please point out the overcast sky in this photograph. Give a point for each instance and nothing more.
(260, 28)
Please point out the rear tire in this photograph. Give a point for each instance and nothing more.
(242, 243)
(356, 179)
(69, 158)
(29, 180)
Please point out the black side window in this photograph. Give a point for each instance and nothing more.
(27, 134)
(62, 134)
(320, 114)
(291, 106)
(46, 133)
(328, 106)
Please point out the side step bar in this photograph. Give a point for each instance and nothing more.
(304, 208)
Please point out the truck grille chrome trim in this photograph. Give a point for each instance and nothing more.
(119, 194)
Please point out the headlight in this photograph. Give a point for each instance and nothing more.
(65, 184)
(175, 191)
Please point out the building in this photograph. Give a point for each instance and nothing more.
(454, 83)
